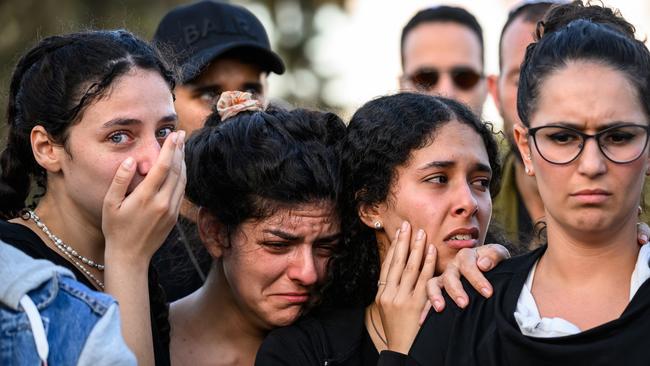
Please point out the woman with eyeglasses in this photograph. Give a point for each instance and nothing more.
(584, 297)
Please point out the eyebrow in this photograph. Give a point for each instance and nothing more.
(479, 167)
(580, 126)
(290, 237)
(133, 121)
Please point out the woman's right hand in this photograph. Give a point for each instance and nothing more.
(135, 225)
(402, 286)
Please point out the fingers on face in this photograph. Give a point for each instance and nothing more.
(120, 184)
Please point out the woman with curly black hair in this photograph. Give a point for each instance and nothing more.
(418, 171)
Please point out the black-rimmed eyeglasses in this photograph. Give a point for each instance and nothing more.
(620, 144)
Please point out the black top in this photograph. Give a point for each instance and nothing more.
(486, 332)
(24, 239)
(330, 337)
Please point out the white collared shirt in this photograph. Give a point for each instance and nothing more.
(531, 324)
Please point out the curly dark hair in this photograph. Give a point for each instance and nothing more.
(576, 31)
(51, 86)
(256, 162)
(381, 137)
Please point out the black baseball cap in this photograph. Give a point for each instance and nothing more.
(198, 33)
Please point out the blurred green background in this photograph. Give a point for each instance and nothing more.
(24, 22)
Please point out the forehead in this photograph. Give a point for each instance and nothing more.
(587, 93)
(137, 94)
(516, 38)
(441, 45)
(224, 70)
(454, 141)
(304, 216)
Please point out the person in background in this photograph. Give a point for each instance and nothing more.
(442, 54)
(218, 47)
(83, 326)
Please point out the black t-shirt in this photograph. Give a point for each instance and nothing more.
(329, 337)
(486, 332)
(24, 239)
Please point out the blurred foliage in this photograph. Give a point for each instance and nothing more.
(24, 22)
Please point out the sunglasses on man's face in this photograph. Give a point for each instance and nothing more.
(464, 78)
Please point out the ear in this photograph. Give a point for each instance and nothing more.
(493, 89)
(520, 134)
(370, 214)
(47, 153)
(211, 232)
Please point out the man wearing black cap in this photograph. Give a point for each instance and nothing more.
(218, 47)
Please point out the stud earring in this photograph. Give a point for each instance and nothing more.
(378, 225)
(527, 170)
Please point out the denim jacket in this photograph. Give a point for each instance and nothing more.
(47, 317)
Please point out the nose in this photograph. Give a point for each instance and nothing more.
(302, 267)
(591, 161)
(147, 154)
(465, 203)
(445, 86)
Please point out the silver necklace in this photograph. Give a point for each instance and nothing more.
(69, 251)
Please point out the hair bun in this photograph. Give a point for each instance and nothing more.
(561, 16)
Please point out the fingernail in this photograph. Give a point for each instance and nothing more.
(460, 301)
(128, 163)
(437, 305)
(485, 263)
(485, 291)
(397, 233)
(420, 234)
(405, 225)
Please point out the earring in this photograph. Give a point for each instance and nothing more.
(527, 170)
(378, 225)
(530, 157)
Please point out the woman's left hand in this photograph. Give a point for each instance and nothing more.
(402, 292)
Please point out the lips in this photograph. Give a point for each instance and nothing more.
(462, 238)
(591, 196)
(294, 297)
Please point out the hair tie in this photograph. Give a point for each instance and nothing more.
(232, 102)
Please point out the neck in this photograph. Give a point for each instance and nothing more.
(74, 227)
(578, 256)
(527, 188)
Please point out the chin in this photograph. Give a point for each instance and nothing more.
(284, 318)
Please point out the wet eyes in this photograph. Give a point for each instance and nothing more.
(124, 137)
(482, 182)
(162, 133)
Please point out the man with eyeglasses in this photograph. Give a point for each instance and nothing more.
(519, 206)
(442, 54)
